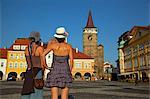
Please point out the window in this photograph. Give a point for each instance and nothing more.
(78, 65)
(11, 65)
(139, 33)
(135, 62)
(128, 64)
(87, 65)
(142, 62)
(17, 56)
(11, 55)
(25, 65)
(127, 51)
(15, 65)
(16, 47)
(21, 65)
(49, 56)
(23, 47)
(141, 46)
(22, 56)
(2, 64)
(135, 48)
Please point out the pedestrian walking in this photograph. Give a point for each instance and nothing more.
(60, 75)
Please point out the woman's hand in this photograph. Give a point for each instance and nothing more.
(29, 68)
(71, 68)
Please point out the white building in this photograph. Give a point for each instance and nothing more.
(3, 63)
(49, 59)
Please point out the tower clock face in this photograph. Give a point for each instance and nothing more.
(90, 37)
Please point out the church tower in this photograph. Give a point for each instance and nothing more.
(90, 38)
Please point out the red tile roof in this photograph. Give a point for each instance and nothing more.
(90, 23)
(3, 53)
(80, 55)
(21, 41)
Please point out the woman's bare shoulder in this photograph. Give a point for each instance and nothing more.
(40, 48)
(69, 45)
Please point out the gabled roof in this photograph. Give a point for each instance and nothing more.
(3, 53)
(21, 41)
(80, 55)
(134, 30)
(90, 23)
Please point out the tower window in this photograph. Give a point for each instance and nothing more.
(2, 64)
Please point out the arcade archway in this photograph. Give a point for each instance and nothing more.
(1, 75)
(87, 75)
(78, 75)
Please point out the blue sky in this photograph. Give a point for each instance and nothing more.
(112, 18)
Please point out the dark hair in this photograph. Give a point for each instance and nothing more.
(60, 40)
(32, 39)
(38, 43)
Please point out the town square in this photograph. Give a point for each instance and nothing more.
(74, 49)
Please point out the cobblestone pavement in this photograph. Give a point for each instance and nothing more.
(86, 90)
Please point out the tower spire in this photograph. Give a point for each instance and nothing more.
(90, 23)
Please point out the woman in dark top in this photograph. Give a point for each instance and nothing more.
(60, 75)
(33, 56)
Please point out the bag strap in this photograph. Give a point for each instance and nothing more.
(30, 51)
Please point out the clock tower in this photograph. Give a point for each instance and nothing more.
(91, 46)
(90, 38)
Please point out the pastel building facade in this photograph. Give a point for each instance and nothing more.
(16, 61)
(3, 63)
(134, 53)
(83, 67)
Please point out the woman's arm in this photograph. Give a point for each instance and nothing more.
(46, 51)
(71, 57)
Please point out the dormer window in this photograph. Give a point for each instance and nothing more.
(23, 47)
(16, 47)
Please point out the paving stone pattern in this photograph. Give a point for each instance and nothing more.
(85, 90)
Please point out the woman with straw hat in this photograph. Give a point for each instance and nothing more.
(60, 75)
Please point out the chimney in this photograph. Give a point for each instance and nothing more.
(130, 37)
(42, 44)
(5, 47)
(77, 50)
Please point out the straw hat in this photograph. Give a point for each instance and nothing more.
(61, 33)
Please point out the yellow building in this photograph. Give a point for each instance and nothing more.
(135, 53)
(16, 61)
(83, 67)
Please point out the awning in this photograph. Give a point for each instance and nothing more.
(127, 73)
